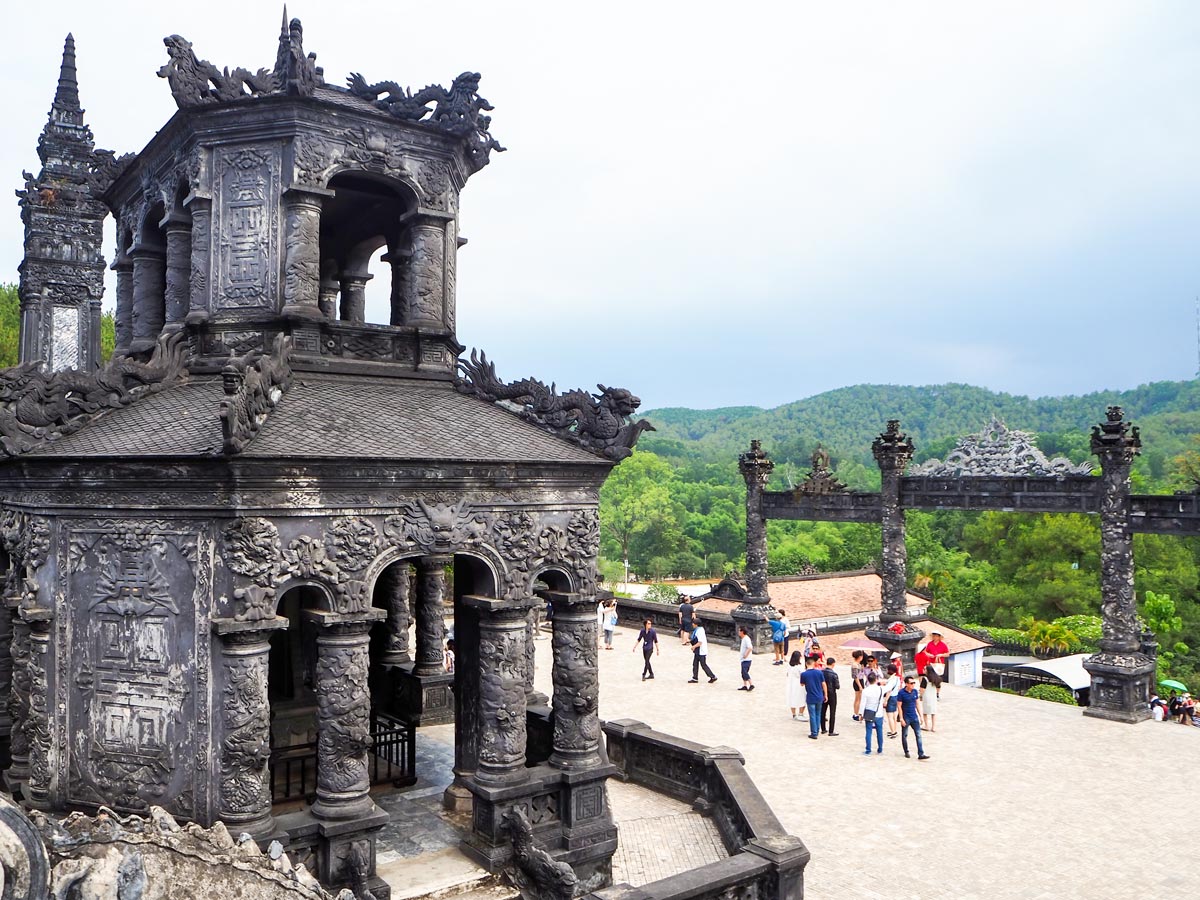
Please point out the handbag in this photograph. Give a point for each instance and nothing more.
(868, 715)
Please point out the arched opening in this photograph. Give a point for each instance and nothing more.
(291, 691)
(366, 214)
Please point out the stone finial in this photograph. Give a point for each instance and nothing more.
(755, 465)
(892, 449)
(1115, 440)
(65, 109)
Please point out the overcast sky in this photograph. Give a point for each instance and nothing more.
(748, 203)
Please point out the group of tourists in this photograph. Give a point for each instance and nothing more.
(1181, 708)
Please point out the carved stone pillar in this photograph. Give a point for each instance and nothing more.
(327, 293)
(395, 584)
(178, 229)
(6, 685)
(1121, 672)
(354, 297)
(343, 714)
(199, 275)
(893, 450)
(149, 283)
(18, 701)
(431, 594)
(576, 682)
(468, 730)
(245, 746)
(501, 713)
(423, 277)
(123, 319)
(756, 612)
(37, 725)
(302, 252)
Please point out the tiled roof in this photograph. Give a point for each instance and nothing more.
(324, 416)
(957, 641)
(832, 597)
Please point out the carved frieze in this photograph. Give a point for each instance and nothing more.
(251, 548)
(247, 227)
(436, 527)
(352, 542)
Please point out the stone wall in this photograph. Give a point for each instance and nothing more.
(766, 862)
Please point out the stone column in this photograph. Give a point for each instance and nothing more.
(395, 585)
(423, 281)
(533, 697)
(18, 701)
(178, 229)
(148, 285)
(327, 293)
(431, 594)
(576, 682)
(343, 714)
(302, 252)
(354, 297)
(501, 710)
(245, 745)
(397, 262)
(755, 614)
(200, 268)
(893, 450)
(1121, 672)
(6, 686)
(123, 318)
(37, 724)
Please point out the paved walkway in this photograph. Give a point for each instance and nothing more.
(1022, 798)
(659, 836)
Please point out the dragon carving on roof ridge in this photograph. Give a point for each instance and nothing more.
(998, 450)
(599, 422)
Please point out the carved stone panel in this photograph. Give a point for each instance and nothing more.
(246, 222)
(136, 703)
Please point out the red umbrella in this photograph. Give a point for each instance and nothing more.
(862, 644)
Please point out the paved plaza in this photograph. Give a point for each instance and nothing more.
(1022, 798)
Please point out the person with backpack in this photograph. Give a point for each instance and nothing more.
(779, 630)
(871, 711)
(610, 623)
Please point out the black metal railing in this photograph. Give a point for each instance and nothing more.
(393, 759)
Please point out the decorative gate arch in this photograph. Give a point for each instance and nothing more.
(998, 470)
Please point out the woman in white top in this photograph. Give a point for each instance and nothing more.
(872, 712)
(795, 687)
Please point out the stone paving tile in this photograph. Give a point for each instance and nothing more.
(1027, 799)
(658, 836)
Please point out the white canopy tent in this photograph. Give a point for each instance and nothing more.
(1067, 669)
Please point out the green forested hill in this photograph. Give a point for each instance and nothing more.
(846, 420)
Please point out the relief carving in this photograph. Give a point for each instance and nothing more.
(247, 745)
(436, 527)
(344, 708)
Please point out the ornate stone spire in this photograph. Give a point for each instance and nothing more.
(65, 110)
(62, 275)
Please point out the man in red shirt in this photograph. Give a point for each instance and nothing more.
(938, 653)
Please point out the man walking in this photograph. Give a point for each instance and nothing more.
(686, 624)
(699, 642)
(832, 685)
(747, 649)
(910, 716)
(815, 693)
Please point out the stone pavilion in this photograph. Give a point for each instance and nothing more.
(215, 544)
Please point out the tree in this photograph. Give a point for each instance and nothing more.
(637, 514)
(10, 325)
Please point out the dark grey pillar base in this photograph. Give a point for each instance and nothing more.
(756, 619)
(1121, 684)
(457, 797)
(574, 823)
(425, 699)
(330, 849)
(904, 643)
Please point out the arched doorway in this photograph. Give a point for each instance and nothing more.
(291, 692)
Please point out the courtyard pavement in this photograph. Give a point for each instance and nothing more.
(1021, 799)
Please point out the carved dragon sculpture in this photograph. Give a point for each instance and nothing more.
(538, 874)
(598, 422)
(38, 406)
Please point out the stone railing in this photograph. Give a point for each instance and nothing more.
(765, 861)
(718, 625)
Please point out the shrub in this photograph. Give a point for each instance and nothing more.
(1051, 692)
(1002, 635)
(1087, 629)
(662, 593)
